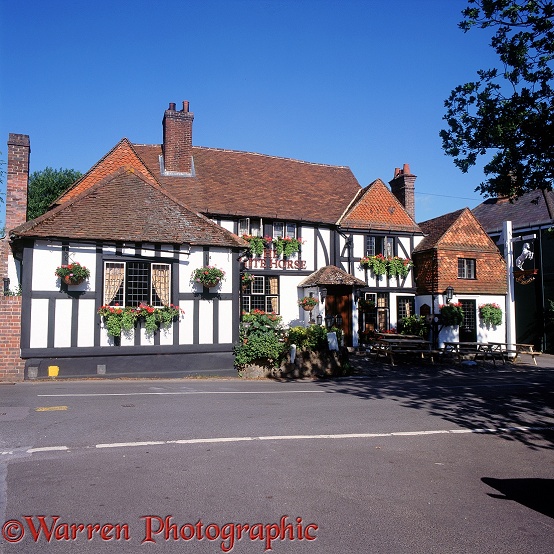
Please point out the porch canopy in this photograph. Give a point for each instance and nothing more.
(331, 275)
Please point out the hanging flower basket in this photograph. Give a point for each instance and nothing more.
(452, 314)
(72, 274)
(377, 264)
(490, 314)
(308, 303)
(208, 276)
(246, 280)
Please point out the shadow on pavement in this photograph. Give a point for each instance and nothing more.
(536, 494)
(480, 397)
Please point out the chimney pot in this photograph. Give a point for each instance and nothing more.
(185, 105)
(396, 172)
(406, 169)
(172, 106)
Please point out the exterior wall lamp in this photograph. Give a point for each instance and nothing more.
(319, 319)
(449, 293)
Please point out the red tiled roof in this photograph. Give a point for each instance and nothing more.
(377, 208)
(121, 155)
(228, 182)
(127, 206)
(459, 230)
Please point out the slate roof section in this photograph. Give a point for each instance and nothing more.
(331, 275)
(529, 210)
(127, 206)
(377, 208)
(457, 231)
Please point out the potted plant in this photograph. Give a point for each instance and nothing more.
(308, 303)
(246, 280)
(72, 274)
(286, 246)
(490, 314)
(365, 305)
(452, 314)
(208, 276)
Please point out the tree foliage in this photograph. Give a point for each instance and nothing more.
(46, 186)
(506, 116)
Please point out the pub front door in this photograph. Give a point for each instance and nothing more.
(339, 302)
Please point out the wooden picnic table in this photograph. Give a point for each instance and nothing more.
(402, 344)
(475, 349)
(516, 349)
(492, 350)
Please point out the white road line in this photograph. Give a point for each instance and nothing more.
(186, 393)
(336, 436)
(46, 449)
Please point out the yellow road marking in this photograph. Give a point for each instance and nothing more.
(50, 408)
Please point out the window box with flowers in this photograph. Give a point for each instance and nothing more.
(118, 319)
(208, 276)
(399, 266)
(308, 303)
(452, 314)
(391, 266)
(286, 246)
(490, 314)
(72, 274)
(257, 244)
(377, 264)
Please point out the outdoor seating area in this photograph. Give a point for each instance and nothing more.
(391, 346)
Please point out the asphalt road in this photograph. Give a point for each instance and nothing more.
(449, 464)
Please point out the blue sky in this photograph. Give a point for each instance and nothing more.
(354, 83)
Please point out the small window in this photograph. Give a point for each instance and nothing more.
(278, 230)
(379, 245)
(133, 283)
(263, 294)
(249, 226)
(466, 268)
(291, 230)
(405, 306)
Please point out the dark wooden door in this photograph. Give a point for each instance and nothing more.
(468, 329)
(339, 302)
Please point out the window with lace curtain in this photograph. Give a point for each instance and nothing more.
(133, 283)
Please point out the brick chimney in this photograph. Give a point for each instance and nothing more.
(17, 182)
(402, 186)
(177, 137)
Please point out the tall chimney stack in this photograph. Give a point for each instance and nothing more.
(402, 186)
(17, 182)
(177, 140)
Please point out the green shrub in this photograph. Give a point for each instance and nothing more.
(260, 340)
(313, 337)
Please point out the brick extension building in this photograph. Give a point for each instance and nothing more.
(457, 252)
